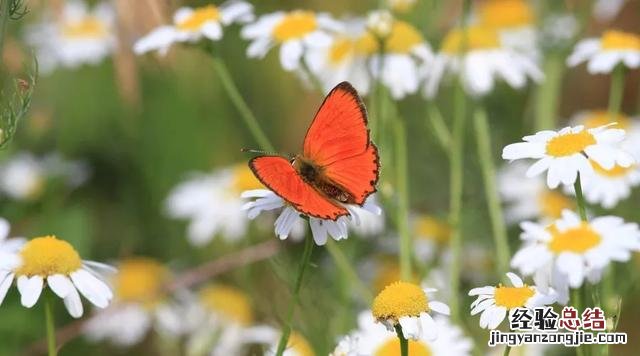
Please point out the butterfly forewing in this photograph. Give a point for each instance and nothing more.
(338, 143)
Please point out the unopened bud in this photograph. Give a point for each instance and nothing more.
(380, 22)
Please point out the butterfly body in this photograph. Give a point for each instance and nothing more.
(339, 164)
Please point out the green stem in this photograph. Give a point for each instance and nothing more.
(580, 198)
(440, 129)
(404, 343)
(548, 92)
(616, 91)
(498, 226)
(4, 20)
(576, 302)
(51, 329)
(455, 202)
(507, 350)
(241, 105)
(345, 267)
(286, 329)
(403, 200)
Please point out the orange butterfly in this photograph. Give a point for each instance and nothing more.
(339, 163)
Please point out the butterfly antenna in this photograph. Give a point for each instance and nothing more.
(262, 152)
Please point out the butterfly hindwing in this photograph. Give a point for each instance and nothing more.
(279, 175)
(338, 142)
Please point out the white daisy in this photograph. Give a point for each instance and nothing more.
(630, 125)
(407, 304)
(344, 58)
(405, 51)
(495, 302)
(56, 263)
(607, 187)
(605, 53)
(139, 304)
(563, 254)
(295, 32)
(289, 218)
(431, 236)
(566, 153)
(515, 22)
(24, 176)
(529, 198)
(76, 36)
(221, 315)
(484, 61)
(373, 339)
(193, 24)
(212, 204)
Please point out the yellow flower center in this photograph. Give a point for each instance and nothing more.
(228, 301)
(295, 25)
(392, 348)
(341, 50)
(578, 239)
(552, 203)
(400, 299)
(403, 38)
(432, 229)
(140, 279)
(87, 27)
(615, 172)
(473, 38)
(513, 297)
(570, 143)
(244, 179)
(300, 345)
(618, 40)
(505, 13)
(601, 118)
(199, 17)
(46, 256)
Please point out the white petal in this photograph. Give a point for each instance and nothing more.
(429, 327)
(73, 304)
(5, 284)
(439, 307)
(30, 290)
(60, 285)
(410, 327)
(496, 317)
(515, 280)
(290, 53)
(96, 291)
(482, 290)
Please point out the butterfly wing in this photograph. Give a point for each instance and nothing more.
(278, 175)
(338, 142)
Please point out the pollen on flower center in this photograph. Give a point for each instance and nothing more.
(570, 143)
(140, 280)
(473, 38)
(513, 297)
(227, 301)
(577, 239)
(403, 38)
(199, 17)
(552, 203)
(392, 348)
(88, 27)
(295, 25)
(398, 300)
(615, 172)
(602, 118)
(619, 40)
(244, 179)
(46, 256)
(505, 13)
